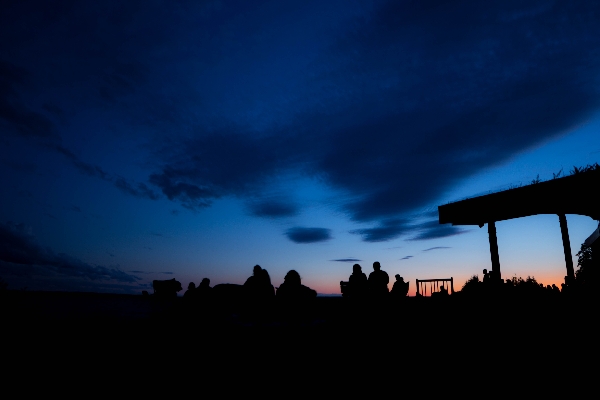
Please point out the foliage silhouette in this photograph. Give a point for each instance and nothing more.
(585, 263)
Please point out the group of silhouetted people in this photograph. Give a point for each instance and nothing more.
(359, 286)
(257, 288)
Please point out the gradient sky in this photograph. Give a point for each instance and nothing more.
(147, 140)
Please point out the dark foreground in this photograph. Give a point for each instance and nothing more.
(453, 334)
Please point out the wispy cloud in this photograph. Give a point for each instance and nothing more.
(434, 230)
(437, 248)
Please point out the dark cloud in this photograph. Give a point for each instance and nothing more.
(191, 196)
(433, 230)
(347, 260)
(20, 254)
(427, 95)
(134, 189)
(166, 273)
(387, 230)
(437, 248)
(406, 258)
(308, 235)
(15, 115)
(468, 89)
(26, 122)
(391, 107)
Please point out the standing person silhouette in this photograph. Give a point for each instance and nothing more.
(358, 282)
(378, 281)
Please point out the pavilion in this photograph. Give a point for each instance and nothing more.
(573, 194)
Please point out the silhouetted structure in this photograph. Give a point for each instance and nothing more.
(435, 285)
(548, 197)
(166, 288)
(378, 281)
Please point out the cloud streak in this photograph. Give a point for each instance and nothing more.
(437, 248)
(308, 235)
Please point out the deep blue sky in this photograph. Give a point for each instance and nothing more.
(149, 140)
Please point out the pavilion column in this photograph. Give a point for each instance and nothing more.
(494, 250)
(564, 230)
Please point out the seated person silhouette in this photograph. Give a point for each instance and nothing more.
(204, 288)
(190, 292)
(378, 281)
(258, 287)
(267, 291)
(400, 288)
(292, 288)
(442, 293)
(252, 282)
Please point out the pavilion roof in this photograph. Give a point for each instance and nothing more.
(573, 194)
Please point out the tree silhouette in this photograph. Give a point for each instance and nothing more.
(585, 264)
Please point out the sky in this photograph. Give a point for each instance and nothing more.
(146, 140)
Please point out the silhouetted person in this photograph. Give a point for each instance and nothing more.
(378, 281)
(292, 288)
(258, 287)
(400, 288)
(358, 284)
(267, 291)
(190, 292)
(252, 284)
(204, 290)
(443, 291)
(486, 276)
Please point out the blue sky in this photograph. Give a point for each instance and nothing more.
(151, 140)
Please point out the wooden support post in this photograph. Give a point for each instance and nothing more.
(564, 230)
(494, 250)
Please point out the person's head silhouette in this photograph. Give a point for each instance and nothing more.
(292, 278)
(356, 268)
(191, 286)
(256, 270)
(376, 266)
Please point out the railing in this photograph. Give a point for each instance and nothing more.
(434, 286)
